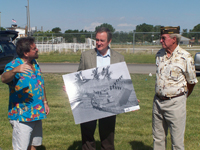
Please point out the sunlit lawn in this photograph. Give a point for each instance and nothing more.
(75, 58)
(69, 57)
(133, 129)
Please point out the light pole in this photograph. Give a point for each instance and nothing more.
(26, 28)
(28, 19)
(29, 26)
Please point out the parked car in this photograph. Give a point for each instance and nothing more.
(197, 61)
(7, 48)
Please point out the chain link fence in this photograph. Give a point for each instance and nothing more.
(129, 42)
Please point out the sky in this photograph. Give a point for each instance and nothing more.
(123, 15)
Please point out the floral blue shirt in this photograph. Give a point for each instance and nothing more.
(26, 93)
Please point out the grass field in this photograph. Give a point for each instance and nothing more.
(144, 56)
(75, 58)
(133, 129)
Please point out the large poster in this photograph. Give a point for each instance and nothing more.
(100, 92)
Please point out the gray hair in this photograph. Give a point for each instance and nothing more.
(178, 37)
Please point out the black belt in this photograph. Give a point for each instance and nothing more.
(168, 98)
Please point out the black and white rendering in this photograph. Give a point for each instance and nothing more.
(100, 92)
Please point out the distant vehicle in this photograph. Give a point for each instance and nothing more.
(197, 61)
(7, 48)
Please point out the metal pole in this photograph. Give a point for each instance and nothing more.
(133, 40)
(29, 19)
(26, 21)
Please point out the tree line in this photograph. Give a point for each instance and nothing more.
(143, 33)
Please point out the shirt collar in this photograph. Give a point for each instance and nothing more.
(175, 51)
(21, 61)
(106, 55)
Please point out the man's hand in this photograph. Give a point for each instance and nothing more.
(190, 88)
(24, 68)
(8, 76)
(46, 108)
(64, 89)
(138, 102)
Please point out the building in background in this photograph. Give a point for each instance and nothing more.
(184, 41)
(21, 31)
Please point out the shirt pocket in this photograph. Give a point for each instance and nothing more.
(175, 72)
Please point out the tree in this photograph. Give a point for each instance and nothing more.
(194, 35)
(110, 27)
(43, 35)
(149, 37)
(2, 29)
(82, 38)
(196, 28)
(185, 33)
(43, 32)
(81, 31)
(144, 28)
(130, 37)
(69, 31)
(75, 31)
(56, 30)
(156, 28)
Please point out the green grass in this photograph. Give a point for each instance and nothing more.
(70, 57)
(139, 58)
(133, 129)
(60, 57)
(75, 58)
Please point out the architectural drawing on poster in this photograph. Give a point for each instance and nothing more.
(100, 92)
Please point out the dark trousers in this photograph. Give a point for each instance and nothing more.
(106, 133)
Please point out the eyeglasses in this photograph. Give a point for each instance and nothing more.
(164, 38)
(34, 49)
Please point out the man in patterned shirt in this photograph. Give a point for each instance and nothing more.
(27, 101)
(175, 80)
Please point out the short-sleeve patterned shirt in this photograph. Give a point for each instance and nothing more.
(174, 72)
(26, 93)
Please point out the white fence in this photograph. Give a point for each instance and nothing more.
(74, 47)
(63, 47)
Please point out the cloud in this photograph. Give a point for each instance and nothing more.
(92, 26)
(121, 18)
(125, 27)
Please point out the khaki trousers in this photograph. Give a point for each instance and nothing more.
(169, 114)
